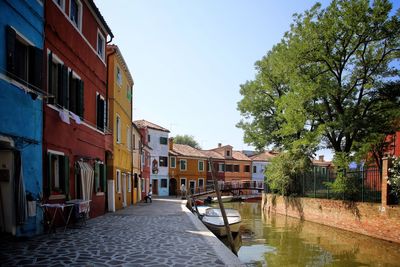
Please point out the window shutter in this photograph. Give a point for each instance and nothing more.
(35, 67)
(65, 87)
(80, 102)
(10, 37)
(72, 92)
(103, 177)
(47, 188)
(66, 177)
(96, 177)
(60, 92)
(51, 100)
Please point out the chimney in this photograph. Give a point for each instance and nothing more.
(219, 145)
(321, 157)
(171, 143)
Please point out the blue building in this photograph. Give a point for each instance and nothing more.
(21, 116)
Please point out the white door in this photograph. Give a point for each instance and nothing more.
(111, 195)
(124, 190)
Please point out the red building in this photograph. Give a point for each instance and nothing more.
(218, 162)
(145, 151)
(76, 143)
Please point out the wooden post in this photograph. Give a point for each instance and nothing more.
(384, 192)
(223, 213)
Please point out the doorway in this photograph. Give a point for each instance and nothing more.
(155, 187)
(124, 190)
(172, 187)
(192, 186)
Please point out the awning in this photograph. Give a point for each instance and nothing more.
(87, 179)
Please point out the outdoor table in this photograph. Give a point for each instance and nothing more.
(51, 211)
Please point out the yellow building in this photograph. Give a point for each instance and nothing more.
(187, 166)
(120, 167)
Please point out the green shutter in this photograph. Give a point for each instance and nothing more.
(66, 177)
(72, 92)
(48, 185)
(80, 102)
(96, 177)
(50, 90)
(103, 177)
(10, 39)
(65, 87)
(60, 92)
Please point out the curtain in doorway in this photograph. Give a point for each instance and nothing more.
(19, 189)
(87, 179)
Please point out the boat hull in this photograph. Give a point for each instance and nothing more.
(220, 230)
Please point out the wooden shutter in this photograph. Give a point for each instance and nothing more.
(80, 96)
(10, 39)
(65, 87)
(103, 177)
(100, 112)
(50, 90)
(60, 92)
(96, 177)
(35, 67)
(72, 92)
(65, 163)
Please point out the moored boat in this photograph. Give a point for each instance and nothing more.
(214, 221)
(223, 198)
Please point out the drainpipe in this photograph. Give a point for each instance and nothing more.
(107, 103)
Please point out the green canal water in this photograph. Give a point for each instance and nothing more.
(276, 240)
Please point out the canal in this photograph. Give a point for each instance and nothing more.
(277, 240)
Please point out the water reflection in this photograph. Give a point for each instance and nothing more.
(278, 240)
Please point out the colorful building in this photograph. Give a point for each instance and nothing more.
(157, 140)
(120, 85)
(145, 152)
(21, 115)
(259, 164)
(237, 164)
(216, 162)
(188, 167)
(138, 183)
(75, 146)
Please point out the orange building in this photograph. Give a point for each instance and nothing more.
(187, 167)
(237, 164)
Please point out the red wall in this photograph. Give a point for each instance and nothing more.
(62, 38)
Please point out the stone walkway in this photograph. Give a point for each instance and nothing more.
(163, 233)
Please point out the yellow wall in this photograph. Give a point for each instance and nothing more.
(120, 105)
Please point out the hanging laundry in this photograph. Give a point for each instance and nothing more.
(75, 117)
(64, 115)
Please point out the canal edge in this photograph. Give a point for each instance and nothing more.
(223, 253)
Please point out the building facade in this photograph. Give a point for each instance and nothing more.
(136, 164)
(259, 164)
(21, 115)
(187, 167)
(157, 140)
(120, 84)
(75, 126)
(145, 152)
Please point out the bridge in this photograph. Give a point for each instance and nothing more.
(236, 188)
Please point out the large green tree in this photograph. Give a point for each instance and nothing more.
(333, 81)
(186, 140)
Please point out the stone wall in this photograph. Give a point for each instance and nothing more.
(365, 218)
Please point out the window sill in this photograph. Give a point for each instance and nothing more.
(100, 194)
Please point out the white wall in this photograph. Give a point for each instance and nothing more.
(157, 151)
(259, 175)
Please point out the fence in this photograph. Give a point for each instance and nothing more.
(366, 185)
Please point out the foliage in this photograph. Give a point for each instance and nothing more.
(331, 82)
(394, 176)
(345, 184)
(186, 140)
(282, 170)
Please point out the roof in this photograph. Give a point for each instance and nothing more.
(188, 151)
(100, 17)
(115, 48)
(212, 154)
(147, 124)
(237, 155)
(321, 163)
(264, 156)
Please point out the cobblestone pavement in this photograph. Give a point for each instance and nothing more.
(162, 233)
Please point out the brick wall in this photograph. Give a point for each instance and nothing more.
(364, 218)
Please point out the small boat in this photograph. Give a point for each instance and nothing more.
(214, 221)
(223, 198)
(201, 210)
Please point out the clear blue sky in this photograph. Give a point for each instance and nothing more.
(188, 58)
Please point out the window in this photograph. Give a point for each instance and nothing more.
(201, 184)
(254, 169)
(65, 86)
(163, 161)
(201, 165)
(148, 138)
(119, 77)
(61, 4)
(236, 168)
(129, 92)
(228, 153)
(101, 107)
(163, 141)
(221, 167)
(100, 44)
(246, 168)
(100, 182)
(192, 186)
(75, 13)
(58, 174)
(164, 183)
(172, 162)
(228, 168)
(183, 164)
(118, 129)
(24, 63)
(129, 183)
(128, 138)
(183, 181)
(118, 181)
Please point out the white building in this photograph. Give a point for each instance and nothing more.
(259, 163)
(158, 142)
